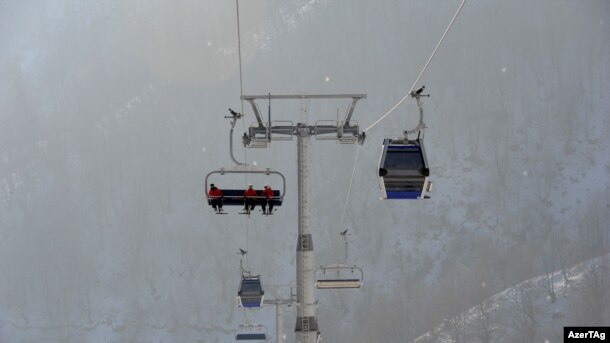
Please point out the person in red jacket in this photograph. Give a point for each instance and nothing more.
(249, 199)
(215, 196)
(268, 200)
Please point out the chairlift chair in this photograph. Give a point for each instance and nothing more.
(339, 276)
(403, 170)
(251, 293)
(235, 197)
(251, 332)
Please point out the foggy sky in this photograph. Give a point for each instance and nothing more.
(112, 114)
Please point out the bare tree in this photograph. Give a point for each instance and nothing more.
(458, 328)
(548, 262)
(484, 327)
(525, 318)
(595, 299)
(594, 228)
(500, 261)
(560, 245)
(455, 299)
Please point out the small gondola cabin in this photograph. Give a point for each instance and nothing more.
(250, 294)
(403, 170)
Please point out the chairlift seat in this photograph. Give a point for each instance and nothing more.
(338, 283)
(403, 170)
(235, 197)
(250, 337)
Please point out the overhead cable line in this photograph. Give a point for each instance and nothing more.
(422, 71)
(349, 189)
(241, 93)
(410, 93)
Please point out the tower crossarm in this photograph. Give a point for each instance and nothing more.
(260, 134)
(303, 96)
(251, 99)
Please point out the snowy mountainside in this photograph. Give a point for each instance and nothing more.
(527, 312)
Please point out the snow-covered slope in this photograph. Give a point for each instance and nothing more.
(528, 312)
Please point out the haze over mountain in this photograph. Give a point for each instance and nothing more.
(112, 115)
(535, 310)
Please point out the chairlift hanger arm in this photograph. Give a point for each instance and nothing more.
(234, 117)
(420, 126)
(254, 109)
(350, 110)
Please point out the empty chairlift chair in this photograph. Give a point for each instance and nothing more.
(403, 170)
(251, 332)
(339, 276)
(250, 294)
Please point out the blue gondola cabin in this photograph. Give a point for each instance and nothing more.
(250, 294)
(403, 170)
